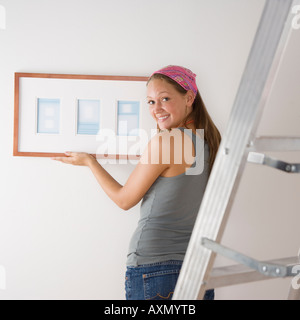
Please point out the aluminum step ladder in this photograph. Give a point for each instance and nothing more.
(239, 145)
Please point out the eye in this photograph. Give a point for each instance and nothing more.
(150, 102)
(165, 99)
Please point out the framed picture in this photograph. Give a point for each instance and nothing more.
(106, 116)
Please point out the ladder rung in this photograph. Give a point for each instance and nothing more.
(237, 274)
(260, 158)
(267, 269)
(262, 144)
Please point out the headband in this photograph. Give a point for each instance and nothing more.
(184, 77)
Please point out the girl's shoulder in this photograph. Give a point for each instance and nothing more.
(171, 147)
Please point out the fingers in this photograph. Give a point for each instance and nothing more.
(70, 154)
(68, 159)
(62, 159)
(75, 158)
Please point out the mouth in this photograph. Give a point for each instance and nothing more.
(162, 119)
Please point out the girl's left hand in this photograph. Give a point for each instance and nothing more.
(76, 158)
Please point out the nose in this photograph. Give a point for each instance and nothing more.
(158, 107)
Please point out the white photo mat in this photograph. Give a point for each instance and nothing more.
(69, 92)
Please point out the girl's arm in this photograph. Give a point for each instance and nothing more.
(138, 183)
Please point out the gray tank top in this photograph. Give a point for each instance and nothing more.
(168, 212)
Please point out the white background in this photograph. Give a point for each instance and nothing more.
(61, 237)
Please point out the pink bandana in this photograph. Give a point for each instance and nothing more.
(184, 77)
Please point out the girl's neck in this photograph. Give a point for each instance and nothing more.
(190, 121)
(189, 125)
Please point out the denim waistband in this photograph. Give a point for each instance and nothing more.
(163, 263)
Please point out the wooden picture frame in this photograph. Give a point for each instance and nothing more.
(55, 113)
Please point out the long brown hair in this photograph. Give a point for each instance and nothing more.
(201, 117)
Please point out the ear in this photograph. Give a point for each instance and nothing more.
(190, 98)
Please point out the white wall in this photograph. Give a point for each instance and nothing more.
(61, 237)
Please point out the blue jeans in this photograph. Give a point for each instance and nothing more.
(155, 281)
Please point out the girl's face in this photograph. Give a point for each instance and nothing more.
(167, 106)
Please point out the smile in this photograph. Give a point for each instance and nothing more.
(161, 119)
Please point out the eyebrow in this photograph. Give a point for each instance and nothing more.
(160, 93)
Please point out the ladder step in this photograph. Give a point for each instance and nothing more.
(260, 158)
(281, 144)
(267, 269)
(238, 274)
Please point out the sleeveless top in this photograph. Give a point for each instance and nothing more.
(169, 210)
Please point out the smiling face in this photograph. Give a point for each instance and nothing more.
(167, 106)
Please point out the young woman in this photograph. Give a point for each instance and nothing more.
(170, 191)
